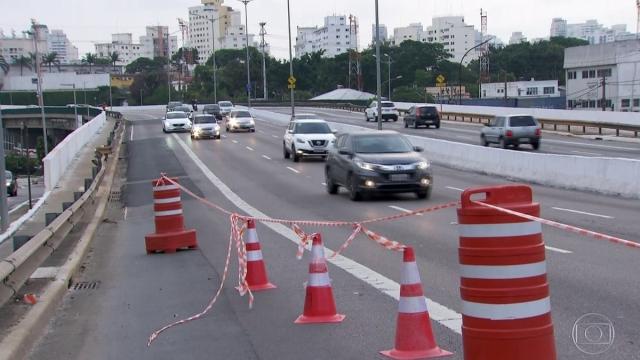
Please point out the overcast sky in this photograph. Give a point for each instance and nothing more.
(87, 22)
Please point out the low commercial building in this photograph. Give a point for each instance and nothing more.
(609, 69)
(520, 89)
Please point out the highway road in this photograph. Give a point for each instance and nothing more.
(552, 143)
(245, 173)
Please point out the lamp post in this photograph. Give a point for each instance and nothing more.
(460, 69)
(378, 80)
(246, 36)
(389, 62)
(40, 91)
(4, 209)
(75, 102)
(213, 57)
(293, 105)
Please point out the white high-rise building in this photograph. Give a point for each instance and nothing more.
(450, 31)
(60, 44)
(156, 43)
(335, 37)
(558, 28)
(383, 33)
(227, 27)
(517, 37)
(591, 31)
(14, 46)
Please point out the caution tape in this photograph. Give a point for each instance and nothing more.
(569, 228)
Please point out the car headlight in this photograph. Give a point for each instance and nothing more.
(252, 122)
(8, 183)
(197, 130)
(422, 165)
(232, 121)
(298, 140)
(365, 165)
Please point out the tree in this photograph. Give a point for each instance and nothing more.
(50, 59)
(23, 62)
(114, 57)
(144, 64)
(4, 65)
(90, 59)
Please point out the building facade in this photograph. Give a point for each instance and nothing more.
(591, 31)
(612, 68)
(214, 25)
(517, 37)
(335, 37)
(521, 89)
(60, 44)
(12, 47)
(156, 43)
(383, 33)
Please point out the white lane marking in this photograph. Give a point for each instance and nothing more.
(260, 131)
(126, 210)
(224, 136)
(324, 184)
(401, 209)
(234, 141)
(583, 213)
(275, 136)
(440, 313)
(586, 153)
(131, 138)
(294, 170)
(15, 208)
(463, 137)
(454, 188)
(249, 148)
(558, 250)
(266, 157)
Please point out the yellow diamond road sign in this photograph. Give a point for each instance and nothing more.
(440, 79)
(292, 80)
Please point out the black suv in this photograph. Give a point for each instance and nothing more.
(422, 116)
(213, 109)
(377, 161)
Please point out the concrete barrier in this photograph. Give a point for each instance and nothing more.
(599, 174)
(58, 159)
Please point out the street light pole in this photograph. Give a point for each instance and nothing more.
(39, 87)
(4, 209)
(246, 35)
(378, 79)
(213, 59)
(389, 58)
(293, 104)
(460, 69)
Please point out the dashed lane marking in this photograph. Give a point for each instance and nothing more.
(294, 170)
(583, 213)
(401, 209)
(249, 148)
(266, 157)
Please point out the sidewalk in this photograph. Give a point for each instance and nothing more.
(72, 181)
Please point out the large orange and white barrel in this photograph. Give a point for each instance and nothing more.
(506, 307)
(170, 234)
(319, 304)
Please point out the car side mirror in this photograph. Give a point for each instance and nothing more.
(334, 131)
(345, 152)
(289, 131)
(418, 149)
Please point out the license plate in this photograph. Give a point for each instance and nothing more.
(399, 177)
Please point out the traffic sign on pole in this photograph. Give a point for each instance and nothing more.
(292, 81)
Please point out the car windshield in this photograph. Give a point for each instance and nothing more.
(8, 175)
(313, 128)
(522, 121)
(387, 105)
(226, 104)
(305, 117)
(376, 144)
(204, 119)
(174, 104)
(211, 107)
(241, 114)
(177, 115)
(428, 110)
(182, 108)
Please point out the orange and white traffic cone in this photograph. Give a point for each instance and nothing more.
(319, 305)
(414, 336)
(256, 270)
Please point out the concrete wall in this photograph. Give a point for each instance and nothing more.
(58, 159)
(605, 175)
(54, 81)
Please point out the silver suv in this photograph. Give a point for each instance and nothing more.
(512, 130)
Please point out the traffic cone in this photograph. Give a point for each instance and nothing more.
(30, 299)
(414, 336)
(256, 271)
(319, 305)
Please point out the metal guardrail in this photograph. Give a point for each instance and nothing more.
(546, 124)
(16, 269)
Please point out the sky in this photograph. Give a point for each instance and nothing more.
(89, 21)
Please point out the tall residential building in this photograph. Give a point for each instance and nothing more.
(14, 46)
(591, 31)
(60, 44)
(617, 62)
(517, 37)
(451, 31)
(383, 33)
(335, 37)
(213, 19)
(153, 44)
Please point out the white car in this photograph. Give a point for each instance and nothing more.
(389, 111)
(305, 116)
(225, 107)
(240, 120)
(305, 138)
(176, 121)
(205, 126)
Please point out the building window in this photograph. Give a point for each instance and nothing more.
(626, 103)
(592, 74)
(592, 104)
(604, 72)
(636, 102)
(548, 90)
(532, 91)
(571, 75)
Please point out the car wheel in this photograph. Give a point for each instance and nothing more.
(395, 119)
(285, 153)
(424, 194)
(164, 130)
(483, 141)
(535, 145)
(366, 117)
(438, 125)
(415, 124)
(15, 192)
(294, 154)
(253, 130)
(503, 143)
(332, 188)
(406, 125)
(226, 128)
(354, 194)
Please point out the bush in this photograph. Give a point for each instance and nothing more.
(17, 164)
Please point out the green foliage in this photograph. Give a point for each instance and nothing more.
(144, 64)
(409, 94)
(4, 65)
(18, 163)
(23, 62)
(50, 59)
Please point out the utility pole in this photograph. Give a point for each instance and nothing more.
(213, 59)
(246, 36)
(34, 27)
(4, 209)
(505, 86)
(378, 78)
(603, 102)
(263, 32)
(293, 105)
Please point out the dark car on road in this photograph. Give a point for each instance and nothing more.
(422, 116)
(213, 109)
(377, 162)
(172, 105)
(12, 185)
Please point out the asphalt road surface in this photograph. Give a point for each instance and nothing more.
(468, 133)
(246, 173)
